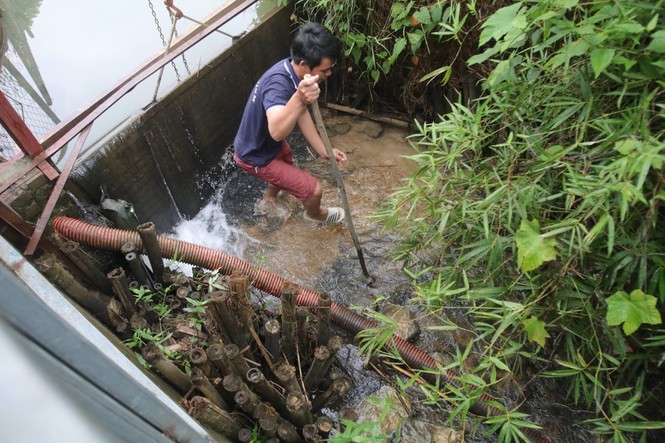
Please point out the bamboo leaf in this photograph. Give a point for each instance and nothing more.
(600, 59)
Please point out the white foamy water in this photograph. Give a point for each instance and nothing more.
(209, 228)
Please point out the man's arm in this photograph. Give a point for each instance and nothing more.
(311, 134)
(281, 121)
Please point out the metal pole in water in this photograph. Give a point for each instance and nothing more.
(326, 141)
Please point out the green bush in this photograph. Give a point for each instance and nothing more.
(539, 207)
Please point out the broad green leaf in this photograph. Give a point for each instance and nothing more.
(535, 329)
(504, 21)
(532, 248)
(632, 310)
(657, 43)
(600, 59)
(423, 16)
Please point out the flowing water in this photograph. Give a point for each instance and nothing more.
(324, 258)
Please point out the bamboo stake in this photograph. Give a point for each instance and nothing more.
(323, 325)
(268, 426)
(337, 390)
(288, 433)
(245, 435)
(121, 289)
(138, 269)
(288, 295)
(286, 374)
(216, 418)
(232, 353)
(199, 358)
(262, 386)
(245, 402)
(311, 433)
(153, 355)
(325, 425)
(272, 332)
(84, 261)
(300, 410)
(234, 383)
(319, 368)
(199, 379)
(107, 309)
(216, 355)
(150, 242)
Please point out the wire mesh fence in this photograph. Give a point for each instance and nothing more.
(28, 104)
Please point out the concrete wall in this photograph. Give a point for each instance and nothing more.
(169, 161)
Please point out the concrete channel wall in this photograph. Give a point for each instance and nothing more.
(157, 163)
(168, 161)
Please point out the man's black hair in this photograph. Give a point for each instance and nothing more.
(313, 43)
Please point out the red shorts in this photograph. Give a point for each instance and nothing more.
(281, 173)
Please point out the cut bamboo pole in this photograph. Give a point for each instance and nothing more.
(272, 334)
(150, 242)
(234, 355)
(337, 390)
(286, 374)
(323, 324)
(138, 269)
(207, 413)
(311, 433)
(245, 402)
(121, 288)
(258, 382)
(319, 368)
(153, 355)
(268, 426)
(225, 314)
(300, 410)
(107, 309)
(325, 425)
(84, 261)
(378, 118)
(216, 355)
(289, 292)
(245, 435)
(199, 358)
(202, 383)
(234, 383)
(288, 433)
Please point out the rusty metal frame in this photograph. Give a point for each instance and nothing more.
(55, 193)
(21, 134)
(60, 135)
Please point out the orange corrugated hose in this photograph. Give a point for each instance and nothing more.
(102, 237)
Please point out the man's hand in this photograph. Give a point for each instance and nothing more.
(308, 89)
(339, 155)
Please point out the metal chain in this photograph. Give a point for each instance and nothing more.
(161, 35)
(184, 60)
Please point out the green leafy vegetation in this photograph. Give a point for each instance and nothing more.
(537, 207)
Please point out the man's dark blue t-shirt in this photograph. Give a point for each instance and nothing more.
(253, 143)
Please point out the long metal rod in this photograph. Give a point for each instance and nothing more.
(161, 70)
(340, 183)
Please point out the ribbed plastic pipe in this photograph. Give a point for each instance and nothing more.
(102, 237)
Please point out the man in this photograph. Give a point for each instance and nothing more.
(279, 102)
